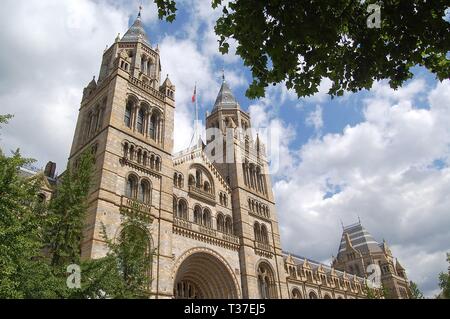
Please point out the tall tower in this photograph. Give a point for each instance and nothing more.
(241, 160)
(126, 119)
(359, 252)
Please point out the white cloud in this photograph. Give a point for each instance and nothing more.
(274, 132)
(315, 120)
(382, 168)
(51, 51)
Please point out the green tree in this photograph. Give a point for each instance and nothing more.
(302, 42)
(23, 274)
(415, 292)
(124, 273)
(67, 214)
(444, 282)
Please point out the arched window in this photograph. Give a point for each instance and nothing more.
(140, 120)
(128, 112)
(152, 162)
(198, 179)
(132, 152)
(180, 181)
(152, 127)
(296, 294)
(191, 180)
(228, 225)
(264, 235)
(143, 63)
(257, 232)
(327, 296)
(144, 191)
(206, 218)
(138, 257)
(175, 179)
(312, 295)
(197, 215)
(220, 223)
(131, 189)
(150, 68)
(207, 187)
(125, 150)
(182, 209)
(145, 159)
(266, 282)
(139, 156)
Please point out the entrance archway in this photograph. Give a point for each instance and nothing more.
(203, 275)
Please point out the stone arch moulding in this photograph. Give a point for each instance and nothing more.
(211, 252)
(143, 228)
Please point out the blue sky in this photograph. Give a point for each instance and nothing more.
(380, 154)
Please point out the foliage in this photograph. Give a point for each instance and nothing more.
(67, 214)
(444, 282)
(37, 245)
(415, 292)
(372, 293)
(302, 42)
(22, 273)
(124, 272)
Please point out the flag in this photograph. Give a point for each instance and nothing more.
(194, 97)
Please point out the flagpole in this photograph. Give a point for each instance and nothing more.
(196, 114)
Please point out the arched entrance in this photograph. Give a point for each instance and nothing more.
(202, 275)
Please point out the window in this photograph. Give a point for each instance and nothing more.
(296, 294)
(198, 179)
(131, 189)
(144, 192)
(152, 127)
(197, 215)
(266, 282)
(220, 223)
(128, 111)
(207, 187)
(264, 235)
(257, 232)
(140, 250)
(312, 295)
(145, 159)
(206, 218)
(228, 225)
(140, 121)
(182, 209)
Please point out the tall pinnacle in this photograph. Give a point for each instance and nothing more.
(137, 31)
(225, 98)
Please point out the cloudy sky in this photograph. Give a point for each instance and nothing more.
(382, 155)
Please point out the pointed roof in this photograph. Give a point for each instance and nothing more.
(167, 82)
(398, 266)
(136, 32)
(225, 98)
(358, 238)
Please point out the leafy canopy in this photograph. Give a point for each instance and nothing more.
(302, 42)
(444, 281)
(415, 292)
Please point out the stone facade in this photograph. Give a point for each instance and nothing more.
(214, 223)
